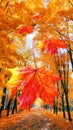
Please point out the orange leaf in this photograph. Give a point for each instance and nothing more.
(53, 45)
(39, 16)
(25, 29)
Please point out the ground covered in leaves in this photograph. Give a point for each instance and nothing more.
(35, 119)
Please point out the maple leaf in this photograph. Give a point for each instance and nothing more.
(39, 16)
(53, 45)
(25, 29)
(33, 83)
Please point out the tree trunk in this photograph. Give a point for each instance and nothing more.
(64, 115)
(54, 107)
(0, 111)
(3, 101)
(68, 108)
(15, 105)
(3, 97)
(8, 107)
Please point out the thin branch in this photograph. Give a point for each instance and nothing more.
(34, 55)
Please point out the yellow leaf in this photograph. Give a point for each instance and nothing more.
(40, 44)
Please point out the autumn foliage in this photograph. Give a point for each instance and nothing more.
(50, 23)
(52, 45)
(25, 29)
(33, 83)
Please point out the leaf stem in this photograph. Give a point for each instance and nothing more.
(34, 54)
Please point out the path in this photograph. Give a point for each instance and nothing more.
(36, 119)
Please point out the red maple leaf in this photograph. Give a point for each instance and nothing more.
(39, 16)
(25, 29)
(33, 83)
(53, 45)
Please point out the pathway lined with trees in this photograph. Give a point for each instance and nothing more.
(36, 36)
(35, 119)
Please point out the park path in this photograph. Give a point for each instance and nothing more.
(35, 119)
